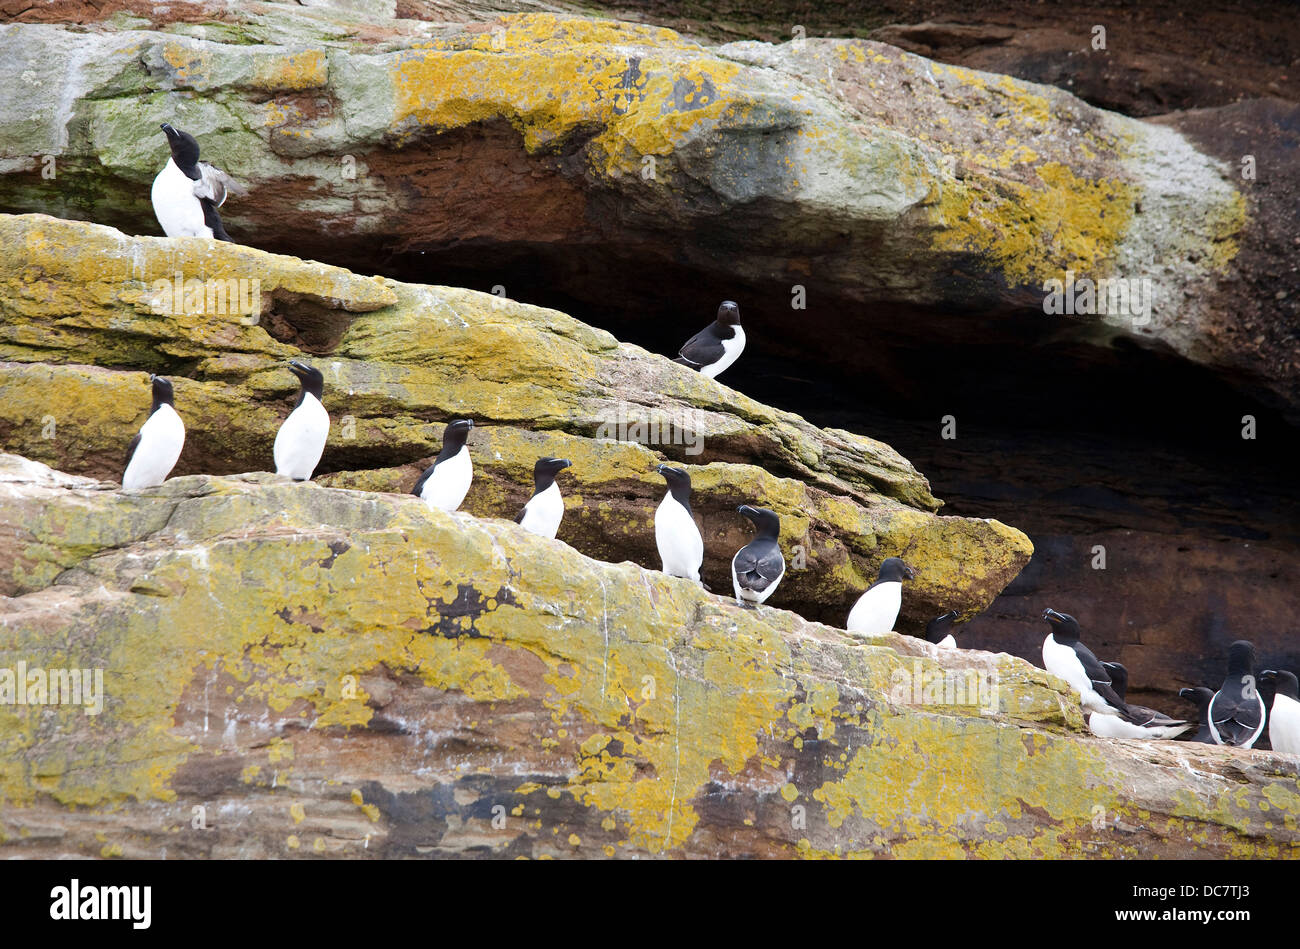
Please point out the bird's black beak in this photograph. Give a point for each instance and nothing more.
(1268, 675)
(909, 573)
(168, 129)
(1051, 616)
(567, 463)
(1184, 693)
(152, 377)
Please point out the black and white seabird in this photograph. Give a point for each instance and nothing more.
(1200, 697)
(939, 630)
(301, 439)
(681, 548)
(544, 510)
(877, 609)
(1134, 721)
(445, 483)
(758, 566)
(1065, 656)
(187, 192)
(718, 345)
(1237, 711)
(153, 452)
(1284, 719)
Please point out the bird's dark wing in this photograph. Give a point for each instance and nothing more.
(1098, 675)
(419, 485)
(519, 518)
(130, 451)
(1149, 717)
(702, 349)
(757, 569)
(213, 220)
(215, 184)
(1235, 717)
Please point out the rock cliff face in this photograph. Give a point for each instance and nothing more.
(294, 670)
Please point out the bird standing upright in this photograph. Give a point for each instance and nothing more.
(153, 452)
(1236, 713)
(877, 609)
(718, 345)
(301, 440)
(187, 192)
(445, 483)
(758, 566)
(1284, 719)
(681, 548)
(543, 512)
(1065, 656)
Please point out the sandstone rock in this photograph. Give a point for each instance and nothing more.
(396, 145)
(294, 670)
(81, 319)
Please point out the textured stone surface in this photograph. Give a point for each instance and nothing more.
(78, 329)
(340, 673)
(377, 141)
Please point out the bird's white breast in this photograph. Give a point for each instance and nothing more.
(681, 548)
(948, 642)
(877, 609)
(731, 350)
(175, 205)
(301, 440)
(162, 437)
(447, 486)
(1061, 660)
(1284, 725)
(543, 512)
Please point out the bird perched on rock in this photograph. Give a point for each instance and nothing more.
(445, 483)
(1236, 712)
(1065, 656)
(681, 548)
(544, 510)
(877, 609)
(939, 630)
(758, 566)
(301, 439)
(1134, 721)
(187, 192)
(153, 452)
(1284, 719)
(718, 345)
(1200, 697)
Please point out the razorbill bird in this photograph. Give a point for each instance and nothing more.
(939, 630)
(445, 483)
(1237, 712)
(1134, 721)
(1200, 697)
(681, 548)
(877, 609)
(301, 439)
(543, 511)
(153, 452)
(187, 192)
(1284, 720)
(718, 345)
(1065, 656)
(758, 566)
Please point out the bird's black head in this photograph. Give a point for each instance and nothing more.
(454, 435)
(1241, 658)
(729, 314)
(940, 626)
(1200, 696)
(185, 150)
(1064, 626)
(545, 470)
(1118, 677)
(679, 483)
(767, 523)
(894, 569)
(162, 391)
(1285, 683)
(309, 377)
